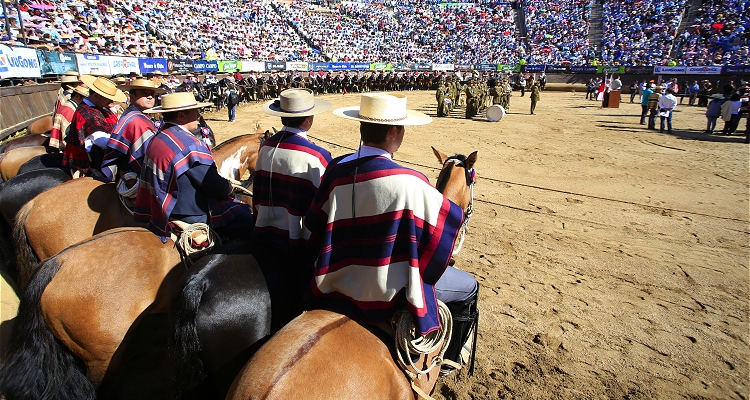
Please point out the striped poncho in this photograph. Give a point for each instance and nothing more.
(170, 154)
(287, 175)
(382, 243)
(128, 141)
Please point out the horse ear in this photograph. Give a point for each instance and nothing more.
(471, 160)
(440, 156)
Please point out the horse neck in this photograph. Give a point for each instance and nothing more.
(238, 156)
(452, 184)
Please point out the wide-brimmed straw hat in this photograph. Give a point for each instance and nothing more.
(69, 79)
(296, 103)
(142, 84)
(177, 102)
(83, 91)
(104, 87)
(383, 109)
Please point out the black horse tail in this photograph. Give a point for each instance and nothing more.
(185, 347)
(26, 259)
(37, 365)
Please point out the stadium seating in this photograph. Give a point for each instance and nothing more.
(717, 35)
(558, 31)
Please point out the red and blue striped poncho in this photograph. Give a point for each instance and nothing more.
(383, 242)
(129, 139)
(170, 154)
(287, 176)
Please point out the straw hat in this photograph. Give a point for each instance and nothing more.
(72, 73)
(83, 91)
(296, 103)
(384, 109)
(69, 79)
(142, 84)
(177, 102)
(104, 87)
(121, 79)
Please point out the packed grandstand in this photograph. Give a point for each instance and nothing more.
(561, 32)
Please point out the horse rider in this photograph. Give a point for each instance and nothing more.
(74, 93)
(384, 235)
(180, 181)
(92, 123)
(68, 81)
(127, 144)
(287, 176)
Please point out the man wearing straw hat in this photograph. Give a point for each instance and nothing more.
(91, 126)
(383, 235)
(64, 115)
(179, 180)
(287, 175)
(127, 144)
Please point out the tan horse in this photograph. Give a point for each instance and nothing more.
(41, 126)
(89, 297)
(456, 182)
(69, 213)
(13, 159)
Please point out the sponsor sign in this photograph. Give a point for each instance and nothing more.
(708, 70)
(340, 66)
(123, 65)
(610, 69)
(442, 67)
(485, 67)
(362, 66)
(251, 66)
(508, 68)
(16, 62)
(669, 70)
(276, 66)
(88, 63)
(297, 66)
(54, 63)
(737, 69)
(421, 67)
(632, 70)
(463, 67)
(557, 69)
(229, 66)
(583, 69)
(533, 68)
(151, 65)
(380, 66)
(317, 66)
(180, 66)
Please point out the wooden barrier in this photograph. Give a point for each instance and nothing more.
(22, 105)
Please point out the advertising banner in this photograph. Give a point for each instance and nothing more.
(669, 70)
(737, 69)
(463, 67)
(250, 66)
(318, 66)
(123, 65)
(180, 66)
(340, 66)
(17, 62)
(205, 66)
(712, 70)
(639, 70)
(533, 68)
(88, 63)
(275, 66)
(610, 69)
(508, 68)
(421, 67)
(229, 66)
(151, 65)
(485, 67)
(297, 66)
(442, 67)
(583, 69)
(54, 63)
(362, 66)
(380, 66)
(557, 69)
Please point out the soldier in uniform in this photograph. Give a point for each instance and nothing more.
(440, 95)
(534, 96)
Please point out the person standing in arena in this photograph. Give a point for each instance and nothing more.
(534, 97)
(644, 102)
(364, 267)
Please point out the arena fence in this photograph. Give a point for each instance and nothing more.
(22, 105)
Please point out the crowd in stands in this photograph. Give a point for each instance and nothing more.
(558, 31)
(639, 32)
(719, 34)
(635, 32)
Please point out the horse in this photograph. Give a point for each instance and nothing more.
(77, 318)
(458, 187)
(25, 141)
(13, 159)
(76, 210)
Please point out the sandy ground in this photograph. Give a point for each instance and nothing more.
(613, 260)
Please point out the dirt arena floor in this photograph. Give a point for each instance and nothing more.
(613, 260)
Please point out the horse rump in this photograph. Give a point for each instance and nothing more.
(37, 365)
(26, 259)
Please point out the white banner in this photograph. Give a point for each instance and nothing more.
(713, 70)
(16, 62)
(669, 70)
(257, 66)
(295, 65)
(88, 63)
(442, 67)
(123, 65)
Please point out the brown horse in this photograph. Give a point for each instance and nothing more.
(456, 182)
(79, 311)
(24, 141)
(66, 214)
(238, 155)
(13, 159)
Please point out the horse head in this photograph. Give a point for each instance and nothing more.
(457, 177)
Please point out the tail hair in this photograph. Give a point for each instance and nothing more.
(26, 259)
(37, 365)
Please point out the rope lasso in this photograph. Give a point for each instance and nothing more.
(193, 240)
(408, 345)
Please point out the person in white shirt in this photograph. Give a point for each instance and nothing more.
(667, 103)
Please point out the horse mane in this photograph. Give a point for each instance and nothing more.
(445, 173)
(234, 139)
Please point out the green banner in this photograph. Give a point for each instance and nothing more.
(380, 66)
(230, 66)
(612, 69)
(509, 67)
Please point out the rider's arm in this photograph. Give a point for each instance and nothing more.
(207, 179)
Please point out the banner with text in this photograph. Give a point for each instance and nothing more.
(297, 66)
(380, 66)
(736, 69)
(633, 70)
(610, 69)
(88, 63)
(442, 67)
(123, 65)
(151, 65)
(252, 66)
(667, 70)
(16, 62)
(55, 63)
(533, 68)
(229, 66)
(712, 70)
(583, 69)
(557, 69)
(180, 66)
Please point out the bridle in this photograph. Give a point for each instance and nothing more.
(460, 160)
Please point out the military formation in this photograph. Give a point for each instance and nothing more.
(474, 93)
